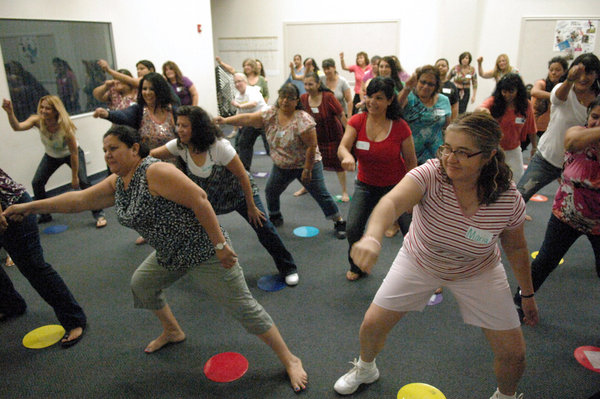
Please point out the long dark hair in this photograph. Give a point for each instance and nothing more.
(509, 81)
(495, 176)
(162, 90)
(317, 79)
(388, 59)
(204, 131)
(591, 64)
(129, 136)
(387, 87)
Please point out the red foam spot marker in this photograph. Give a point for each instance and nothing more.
(226, 367)
(583, 354)
(539, 198)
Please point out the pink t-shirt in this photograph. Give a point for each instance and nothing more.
(515, 127)
(358, 75)
(380, 163)
(446, 243)
(287, 149)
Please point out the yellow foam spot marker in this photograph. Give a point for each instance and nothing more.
(418, 390)
(535, 253)
(43, 337)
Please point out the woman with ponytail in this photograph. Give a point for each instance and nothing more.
(464, 204)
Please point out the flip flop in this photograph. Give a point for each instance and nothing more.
(101, 222)
(68, 344)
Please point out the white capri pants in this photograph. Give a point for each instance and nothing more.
(484, 299)
(514, 159)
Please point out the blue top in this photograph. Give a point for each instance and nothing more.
(427, 124)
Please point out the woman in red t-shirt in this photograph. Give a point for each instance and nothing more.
(382, 144)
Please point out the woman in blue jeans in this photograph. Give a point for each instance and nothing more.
(22, 242)
(575, 211)
(57, 133)
(292, 140)
(384, 149)
(213, 164)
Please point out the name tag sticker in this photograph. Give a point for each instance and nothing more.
(468, 76)
(446, 90)
(280, 133)
(480, 236)
(439, 112)
(315, 110)
(363, 145)
(519, 121)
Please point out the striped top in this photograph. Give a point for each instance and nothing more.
(449, 245)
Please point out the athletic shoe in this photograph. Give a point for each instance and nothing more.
(496, 395)
(349, 382)
(340, 229)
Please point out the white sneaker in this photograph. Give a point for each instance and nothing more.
(349, 382)
(292, 279)
(496, 395)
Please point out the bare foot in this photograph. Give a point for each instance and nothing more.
(298, 377)
(345, 197)
(73, 334)
(140, 240)
(101, 222)
(300, 192)
(350, 275)
(9, 262)
(528, 218)
(165, 339)
(439, 291)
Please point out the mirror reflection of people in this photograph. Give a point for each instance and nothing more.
(94, 77)
(173, 213)
(25, 90)
(57, 133)
(67, 86)
(464, 204)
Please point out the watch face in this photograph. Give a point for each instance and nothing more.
(220, 246)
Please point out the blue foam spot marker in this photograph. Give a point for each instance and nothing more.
(260, 153)
(260, 174)
(271, 283)
(59, 228)
(306, 231)
(435, 299)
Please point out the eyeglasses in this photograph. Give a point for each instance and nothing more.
(461, 155)
(426, 83)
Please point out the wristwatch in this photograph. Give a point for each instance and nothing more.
(220, 246)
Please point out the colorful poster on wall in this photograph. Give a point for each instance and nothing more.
(575, 35)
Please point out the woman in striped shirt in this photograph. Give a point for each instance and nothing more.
(464, 203)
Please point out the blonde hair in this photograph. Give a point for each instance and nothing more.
(63, 119)
(497, 72)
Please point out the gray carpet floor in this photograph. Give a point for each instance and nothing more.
(319, 319)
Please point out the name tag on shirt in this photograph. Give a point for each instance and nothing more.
(363, 145)
(480, 236)
(315, 110)
(280, 134)
(439, 112)
(519, 121)
(446, 90)
(468, 76)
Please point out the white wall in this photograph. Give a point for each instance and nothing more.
(429, 29)
(141, 30)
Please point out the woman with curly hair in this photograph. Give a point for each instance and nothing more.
(513, 111)
(212, 163)
(464, 204)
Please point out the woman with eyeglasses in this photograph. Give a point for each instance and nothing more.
(292, 139)
(426, 111)
(513, 111)
(464, 203)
